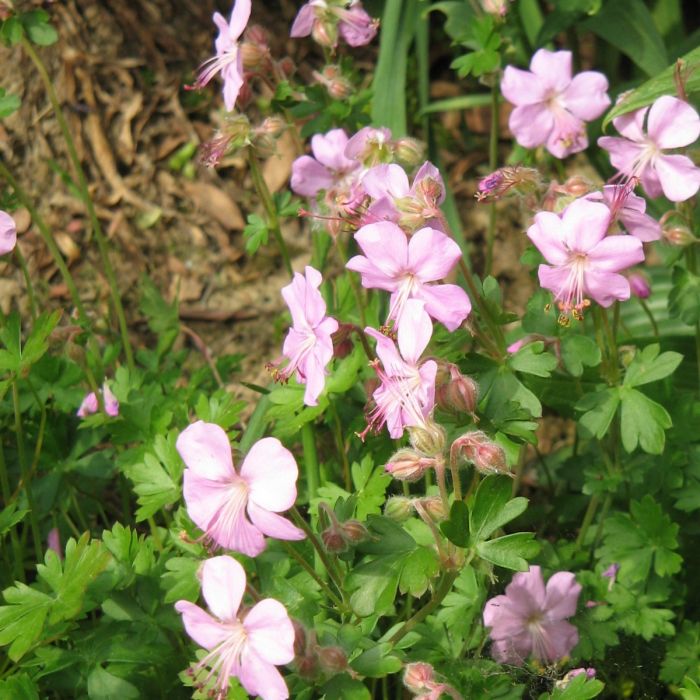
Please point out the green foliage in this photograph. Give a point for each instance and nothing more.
(484, 41)
(578, 688)
(39, 30)
(577, 351)
(9, 103)
(682, 655)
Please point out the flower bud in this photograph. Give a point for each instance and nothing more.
(435, 507)
(408, 465)
(398, 508)
(418, 676)
(495, 7)
(333, 540)
(299, 637)
(354, 531)
(576, 186)
(409, 152)
(589, 672)
(429, 438)
(53, 541)
(500, 183)
(254, 55)
(272, 126)
(455, 391)
(332, 78)
(307, 666)
(486, 456)
(325, 33)
(332, 660)
(342, 342)
(639, 285)
(678, 235)
(286, 66)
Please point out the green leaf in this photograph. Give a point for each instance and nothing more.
(636, 541)
(459, 17)
(38, 341)
(493, 507)
(255, 233)
(643, 422)
(690, 689)
(577, 351)
(684, 298)
(377, 661)
(510, 551)
(39, 30)
(8, 104)
(102, 685)
(462, 603)
(19, 687)
(648, 366)
(629, 27)
(456, 527)
(420, 566)
(342, 687)
(180, 580)
(600, 408)
(11, 31)
(533, 359)
(662, 84)
(578, 688)
(10, 516)
(22, 618)
(458, 103)
(374, 584)
(635, 616)
(682, 654)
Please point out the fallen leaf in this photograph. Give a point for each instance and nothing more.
(215, 202)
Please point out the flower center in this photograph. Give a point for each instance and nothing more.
(224, 660)
(570, 298)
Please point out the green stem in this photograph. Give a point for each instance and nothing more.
(270, 209)
(691, 261)
(340, 445)
(308, 443)
(27, 280)
(442, 486)
(587, 519)
(650, 316)
(6, 497)
(26, 477)
(87, 199)
(443, 588)
(493, 164)
(357, 292)
(456, 480)
(311, 571)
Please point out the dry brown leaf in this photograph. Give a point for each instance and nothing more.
(278, 168)
(125, 140)
(216, 203)
(67, 246)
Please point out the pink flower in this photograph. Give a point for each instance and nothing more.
(551, 106)
(371, 145)
(324, 19)
(670, 123)
(8, 233)
(639, 285)
(530, 620)
(53, 541)
(406, 396)
(409, 205)
(90, 404)
(248, 646)
(308, 345)
(630, 210)
(584, 261)
(236, 509)
(330, 169)
(406, 268)
(228, 60)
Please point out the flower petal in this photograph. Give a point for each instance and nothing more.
(447, 303)
(329, 149)
(385, 246)
(206, 450)
(260, 678)
(303, 22)
(232, 75)
(631, 124)
(415, 331)
(271, 473)
(521, 87)
(432, 255)
(547, 233)
(586, 97)
(529, 582)
(8, 233)
(623, 152)
(273, 525)
(239, 18)
(531, 124)
(585, 223)
(672, 123)
(606, 287)
(223, 586)
(561, 597)
(270, 632)
(309, 177)
(201, 626)
(615, 253)
(553, 68)
(386, 180)
(679, 177)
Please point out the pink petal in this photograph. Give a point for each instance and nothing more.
(223, 586)
(271, 472)
(679, 177)
(530, 583)
(415, 331)
(201, 626)
(273, 525)
(206, 450)
(387, 180)
(547, 233)
(260, 678)
(631, 124)
(492, 609)
(512, 651)
(385, 246)
(585, 224)
(650, 181)
(309, 177)
(553, 68)
(623, 153)
(387, 352)
(640, 225)
(270, 632)
(557, 641)
(303, 22)
(446, 303)
(232, 75)
(586, 97)
(428, 170)
(568, 135)
(88, 406)
(110, 400)
(555, 279)
(304, 300)
(329, 149)
(372, 276)
(432, 255)
(561, 596)
(531, 124)
(239, 18)
(521, 87)
(8, 233)
(606, 287)
(615, 253)
(357, 27)
(672, 123)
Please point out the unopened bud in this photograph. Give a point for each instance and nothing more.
(333, 540)
(508, 180)
(435, 507)
(678, 235)
(408, 465)
(299, 638)
(332, 78)
(332, 659)
(639, 285)
(307, 666)
(409, 152)
(590, 673)
(429, 438)
(325, 33)
(255, 57)
(354, 531)
(398, 508)
(495, 7)
(286, 66)
(576, 186)
(455, 391)
(272, 126)
(342, 342)
(418, 676)
(477, 448)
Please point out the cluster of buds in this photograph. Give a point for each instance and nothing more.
(455, 391)
(409, 465)
(313, 660)
(338, 537)
(234, 134)
(332, 78)
(400, 508)
(558, 197)
(486, 456)
(419, 679)
(512, 179)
